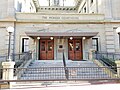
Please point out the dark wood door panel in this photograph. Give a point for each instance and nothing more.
(71, 50)
(71, 55)
(43, 50)
(46, 50)
(50, 50)
(78, 49)
(75, 49)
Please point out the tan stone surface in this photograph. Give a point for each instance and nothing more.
(102, 20)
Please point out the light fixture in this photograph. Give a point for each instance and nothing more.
(51, 38)
(71, 38)
(38, 38)
(84, 38)
(10, 29)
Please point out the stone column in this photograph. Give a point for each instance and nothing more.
(118, 67)
(8, 70)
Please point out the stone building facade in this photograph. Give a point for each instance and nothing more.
(49, 30)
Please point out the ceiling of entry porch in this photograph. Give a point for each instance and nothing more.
(62, 34)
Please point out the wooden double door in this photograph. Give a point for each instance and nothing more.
(75, 49)
(46, 49)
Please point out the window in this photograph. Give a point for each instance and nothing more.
(25, 44)
(91, 1)
(77, 47)
(50, 44)
(119, 39)
(19, 7)
(95, 43)
(71, 46)
(43, 44)
(84, 9)
(56, 2)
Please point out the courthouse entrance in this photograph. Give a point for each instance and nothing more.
(52, 49)
(46, 50)
(75, 49)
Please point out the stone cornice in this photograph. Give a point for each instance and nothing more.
(7, 20)
(60, 18)
(61, 22)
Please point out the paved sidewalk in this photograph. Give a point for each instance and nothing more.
(77, 87)
(66, 86)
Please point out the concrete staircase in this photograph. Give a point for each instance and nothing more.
(59, 63)
(45, 69)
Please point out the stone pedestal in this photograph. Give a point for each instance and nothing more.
(91, 54)
(118, 67)
(8, 70)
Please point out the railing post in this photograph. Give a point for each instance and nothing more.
(118, 67)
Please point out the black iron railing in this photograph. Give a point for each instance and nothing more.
(18, 56)
(58, 73)
(111, 56)
(21, 59)
(107, 59)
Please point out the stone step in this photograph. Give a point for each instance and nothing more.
(41, 78)
(63, 77)
(63, 74)
(58, 61)
(60, 71)
(44, 69)
(59, 64)
(38, 66)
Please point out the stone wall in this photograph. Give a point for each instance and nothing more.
(4, 39)
(7, 9)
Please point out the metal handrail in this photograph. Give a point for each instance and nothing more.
(65, 68)
(57, 73)
(18, 56)
(100, 56)
(23, 58)
(113, 56)
(64, 62)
